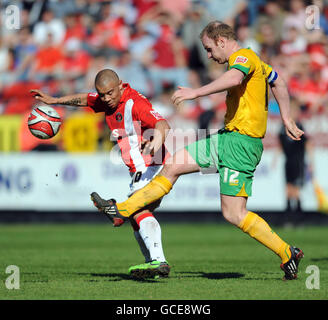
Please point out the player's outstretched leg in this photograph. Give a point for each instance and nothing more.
(108, 207)
(181, 163)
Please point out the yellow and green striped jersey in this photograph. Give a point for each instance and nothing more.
(247, 104)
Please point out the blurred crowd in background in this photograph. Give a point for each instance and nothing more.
(154, 45)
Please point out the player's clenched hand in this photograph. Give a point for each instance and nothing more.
(147, 147)
(292, 130)
(183, 94)
(41, 96)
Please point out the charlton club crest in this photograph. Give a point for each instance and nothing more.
(118, 117)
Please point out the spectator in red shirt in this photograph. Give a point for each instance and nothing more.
(169, 63)
(144, 6)
(111, 35)
(74, 27)
(47, 61)
(75, 60)
(307, 86)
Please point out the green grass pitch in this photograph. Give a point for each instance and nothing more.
(209, 262)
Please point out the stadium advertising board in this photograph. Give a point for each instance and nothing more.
(63, 181)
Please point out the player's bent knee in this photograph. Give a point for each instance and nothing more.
(171, 172)
(233, 216)
(227, 215)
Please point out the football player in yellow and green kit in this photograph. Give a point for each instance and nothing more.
(234, 151)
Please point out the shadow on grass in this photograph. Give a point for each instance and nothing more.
(116, 277)
(223, 275)
(319, 259)
(265, 278)
(211, 276)
(123, 276)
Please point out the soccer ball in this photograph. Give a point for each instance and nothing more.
(44, 122)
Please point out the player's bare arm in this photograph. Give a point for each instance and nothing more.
(280, 92)
(160, 133)
(77, 100)
(228, 80)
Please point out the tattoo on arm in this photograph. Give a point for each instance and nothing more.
(73, 102)
(77, 100)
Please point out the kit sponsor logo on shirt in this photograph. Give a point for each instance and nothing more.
(240, 59)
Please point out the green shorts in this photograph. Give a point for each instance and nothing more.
(235, 156)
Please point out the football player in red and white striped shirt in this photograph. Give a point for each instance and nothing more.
(132, 120)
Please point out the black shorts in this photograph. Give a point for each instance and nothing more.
(294, 173)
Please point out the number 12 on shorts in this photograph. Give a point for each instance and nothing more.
(230, 176)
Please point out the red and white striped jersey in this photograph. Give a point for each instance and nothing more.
(129, 122)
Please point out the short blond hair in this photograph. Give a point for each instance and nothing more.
(216, 29)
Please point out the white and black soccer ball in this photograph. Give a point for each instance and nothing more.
(44, 122)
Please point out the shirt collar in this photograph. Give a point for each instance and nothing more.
(126, 91)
